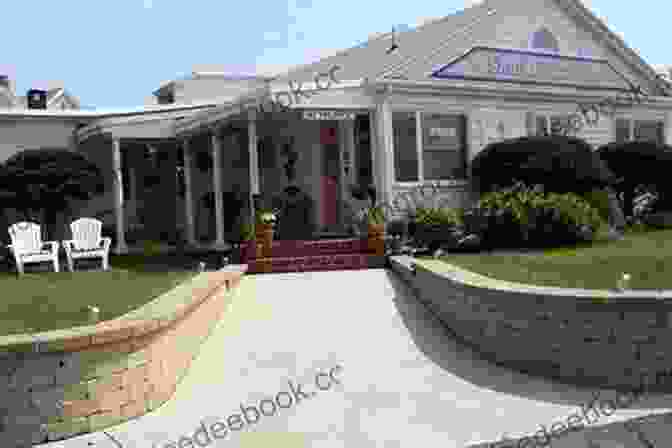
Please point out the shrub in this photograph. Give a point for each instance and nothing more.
(638, 163)
(434, 226)
(528, 216)
(562, 164)
(599, 200)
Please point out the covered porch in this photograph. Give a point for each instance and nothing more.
(190, 180)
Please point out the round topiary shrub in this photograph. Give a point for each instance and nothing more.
(561, 164)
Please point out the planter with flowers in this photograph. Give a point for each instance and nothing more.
(375, 219)
(265, 229)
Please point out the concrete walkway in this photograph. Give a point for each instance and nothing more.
(403, 381)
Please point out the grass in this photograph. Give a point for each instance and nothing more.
(645, 255)
(43, 301)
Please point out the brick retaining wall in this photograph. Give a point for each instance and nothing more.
(586, 337)
(85, 379)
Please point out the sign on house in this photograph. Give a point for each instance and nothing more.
(531, 66)
(337, 115)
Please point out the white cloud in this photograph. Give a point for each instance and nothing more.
(470, 3)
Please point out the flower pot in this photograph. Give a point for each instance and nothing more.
(264, 235)
(376, 229)
(267, 241)
(258, 249)
(376, 245)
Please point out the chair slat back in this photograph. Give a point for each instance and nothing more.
(26, 237)
(86, 233)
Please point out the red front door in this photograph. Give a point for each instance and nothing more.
(330, 176)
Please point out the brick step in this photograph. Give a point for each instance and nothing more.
(335, 262)
(304, 248)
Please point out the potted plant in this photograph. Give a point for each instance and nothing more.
(375, 219)
(247, 243)
(265, 229)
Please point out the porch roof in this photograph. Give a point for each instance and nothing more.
(149, 122)
(352, 96)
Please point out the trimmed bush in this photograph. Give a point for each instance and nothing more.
(638, 163)
(562, 164)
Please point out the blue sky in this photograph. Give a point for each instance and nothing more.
(114, 54)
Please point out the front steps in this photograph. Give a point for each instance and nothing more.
(317, 255)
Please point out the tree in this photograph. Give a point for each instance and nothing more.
(45, 180)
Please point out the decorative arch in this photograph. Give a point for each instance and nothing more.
(543, 39)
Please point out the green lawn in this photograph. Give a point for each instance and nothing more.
(646, 256)
(42, 301)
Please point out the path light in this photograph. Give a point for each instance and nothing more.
(624, 283)
(201, 266)
(94, 313)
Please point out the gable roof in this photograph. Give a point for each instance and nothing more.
(370, 58)
(444, 40)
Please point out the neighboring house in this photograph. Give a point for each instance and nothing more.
(405, 110)
(57, 99)
(201, 85)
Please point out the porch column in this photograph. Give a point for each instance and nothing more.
(118, 197)
(667, 132)
(383, 152)
(254, 159)
(217, 184)
(188, 195)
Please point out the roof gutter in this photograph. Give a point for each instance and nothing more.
(270, 91)
(498, 91)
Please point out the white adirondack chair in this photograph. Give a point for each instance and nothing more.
(87, 242)
(28, 247)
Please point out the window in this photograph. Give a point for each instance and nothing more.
(649, 130)
(550, 125)
(442, 148)
(405, 146)
(543, 39)
(443, 154)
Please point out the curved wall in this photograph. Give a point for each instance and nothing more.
(587, 337)
(57, 384)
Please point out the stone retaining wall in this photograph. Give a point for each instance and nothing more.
(57, 384)
(586, 337)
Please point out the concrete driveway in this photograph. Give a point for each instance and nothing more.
(392, 377)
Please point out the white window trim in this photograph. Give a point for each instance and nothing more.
(418, 146)
(420, 150)
(631, 118)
